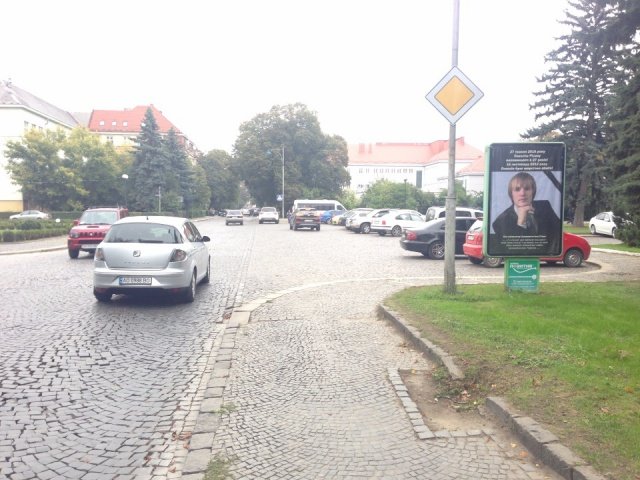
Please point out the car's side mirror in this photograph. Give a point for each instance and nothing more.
(205, 238)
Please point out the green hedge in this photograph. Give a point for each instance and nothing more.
(22, 235)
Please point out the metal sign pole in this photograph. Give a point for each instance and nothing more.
(450, 206)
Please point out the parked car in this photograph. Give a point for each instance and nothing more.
(396, 221)
(234, 216)
(605, 223)
(429, 239)
(30, 215)
(268, 214)
(350, 213)
(361, 221)
(90, 229)
(575, 249)
(151, 253)
(304, 218)
(327, 215)
(338, 219)
(440, 212)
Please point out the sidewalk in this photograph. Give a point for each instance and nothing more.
(40, 245)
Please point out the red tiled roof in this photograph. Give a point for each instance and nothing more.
(114, 120)
(411, 153)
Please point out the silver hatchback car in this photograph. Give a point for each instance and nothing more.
(151, 253)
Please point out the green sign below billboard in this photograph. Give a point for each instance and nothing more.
(522, 274)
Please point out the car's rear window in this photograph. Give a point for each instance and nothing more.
(143, 233)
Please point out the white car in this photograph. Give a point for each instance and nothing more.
(149, 254)
(234, 216)
(440, 212)
(361, 221)
(30, 214)
(268, 214)
(604, 223)
(396, 221)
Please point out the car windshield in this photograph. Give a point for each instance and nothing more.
(98, 218)
(143, 233)
(268, 210)
(234, 212)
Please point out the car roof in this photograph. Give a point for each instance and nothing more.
(165, 220)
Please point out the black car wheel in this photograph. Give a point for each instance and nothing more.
(207, 277)
(74, 253)
(190, 292)
(436, 250)
(492, 262)
(573, 258)
(475, 260)
(593, 229)
(101, 296)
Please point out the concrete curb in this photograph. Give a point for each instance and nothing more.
(539, 441)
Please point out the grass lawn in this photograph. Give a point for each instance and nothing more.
(618, 246)
(568, 356)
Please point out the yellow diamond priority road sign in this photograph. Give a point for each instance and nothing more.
(454, 95)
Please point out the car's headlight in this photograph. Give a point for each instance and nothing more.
(74, 234)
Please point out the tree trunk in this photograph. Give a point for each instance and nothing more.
(578, 216)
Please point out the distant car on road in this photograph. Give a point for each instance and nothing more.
(329, 214)
(90, 229)
(268, 214)
(151, 253)
(429, 239)
(30, 215)
(304, 218)
(605, 223)
(234, 216)
(575, 249)
(396, 221)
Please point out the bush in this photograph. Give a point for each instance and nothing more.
(629, 232)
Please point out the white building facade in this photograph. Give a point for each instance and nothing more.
(423, 165)
(21, 111)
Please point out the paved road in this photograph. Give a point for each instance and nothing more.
(305, 389)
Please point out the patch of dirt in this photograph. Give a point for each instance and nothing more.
(444, 405)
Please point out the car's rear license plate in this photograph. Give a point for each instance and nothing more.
(135, 280)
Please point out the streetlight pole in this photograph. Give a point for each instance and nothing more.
(405, 193)
(283, 181)
(125, 177)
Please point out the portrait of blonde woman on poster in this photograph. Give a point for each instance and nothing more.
(527, 217)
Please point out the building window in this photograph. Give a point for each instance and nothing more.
(102, 123)
(109, 139)
(125, 124)
(114, 123)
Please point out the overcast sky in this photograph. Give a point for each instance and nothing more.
(364, 66)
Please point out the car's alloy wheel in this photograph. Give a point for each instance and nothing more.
(593, 229)
(436, 250)
(492, 262)
(396, 231)
(573, 258)
(190, 293)
(207, 277)
(365, 228)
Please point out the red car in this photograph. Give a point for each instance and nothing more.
(89, 230)
(575, 249)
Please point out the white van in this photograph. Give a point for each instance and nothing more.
(320, 205)
(440, 212)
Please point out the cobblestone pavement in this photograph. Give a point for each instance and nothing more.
(307, 388)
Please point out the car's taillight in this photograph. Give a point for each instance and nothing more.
(99, 255)
(178, 256)
(409, 235)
